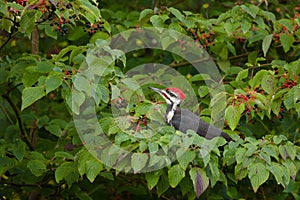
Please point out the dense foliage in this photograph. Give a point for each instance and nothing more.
(57, 58)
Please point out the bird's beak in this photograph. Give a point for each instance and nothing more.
(155, 89)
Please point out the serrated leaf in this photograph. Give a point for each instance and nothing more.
(37, 167)
(266, 43)
(175, 175)
(232, 116)
(31, 95)
(138, 161)
(258, 174)
(199, 179)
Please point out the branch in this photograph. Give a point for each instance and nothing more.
(10, 34)
(17, 112)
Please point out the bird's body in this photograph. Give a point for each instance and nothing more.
(182, 119)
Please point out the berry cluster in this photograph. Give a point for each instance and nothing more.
(93, 28)
(201, 37)
(289, 83)
(60, 25)
(284, 29)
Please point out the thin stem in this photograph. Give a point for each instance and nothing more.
(17, 112)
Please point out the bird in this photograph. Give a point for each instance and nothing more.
(183, 119)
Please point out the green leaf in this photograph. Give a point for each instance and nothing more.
(286, 41)
(63, 171)
(256, 80)
(19, 149)
(266, 43)
(200, 77)
(37, 167)
(203, 91)
(163, 184)
(138, 161)
(184, 158)
(82, 84)
(3, 8)
(54, 129)
(53, 82)
(287, 23)
(258, 174)
(232, 116)
(175, 174)
(268, 84)
(214, 172)
(44, 67)
(241, 75)
(144, 13)
(289, 99)
(277, 170)
(30, 78)
(158, 20)
(143, 108)
(91, 12)
(240, 171)
(251, 10)
(271, 150)
(27, 22)
(89, 165)
(293, 169)
(176, 13)
(152, 178)
(31, 95)
(199, 179)
(77, 99)
(240, 155)
(49, 31)
(167, 41)
(64, 154)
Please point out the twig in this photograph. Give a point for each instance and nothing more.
(17, 112)
(11, 33)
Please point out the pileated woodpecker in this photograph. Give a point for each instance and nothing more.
(182, 119)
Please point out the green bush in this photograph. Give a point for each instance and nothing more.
(51, 66)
